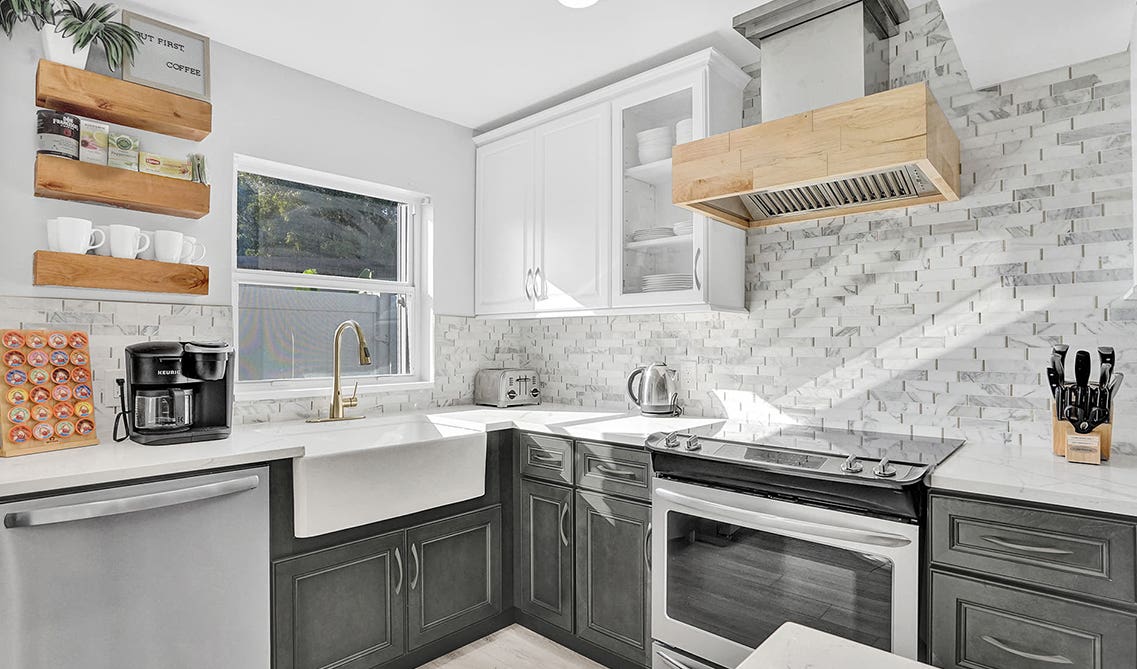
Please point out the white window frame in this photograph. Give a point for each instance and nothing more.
(418, 292)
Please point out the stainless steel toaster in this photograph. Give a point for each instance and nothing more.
(506, 387)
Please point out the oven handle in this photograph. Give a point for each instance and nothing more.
(770, 521)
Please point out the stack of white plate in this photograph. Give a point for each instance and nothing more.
(684, 228)
(655, 144)
(683, 131)
(652, 233)
(654, 283)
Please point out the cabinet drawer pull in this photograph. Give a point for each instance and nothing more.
(414, 555)
(528, 279)
(647, 547)
(399, 567)
(564, 514)
(615, 471)
(546, 457)
(1048, 659)
(1045, 550)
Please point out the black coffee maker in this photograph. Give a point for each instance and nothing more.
(176, 393)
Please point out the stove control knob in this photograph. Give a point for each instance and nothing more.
(693, 444)
(885, 469)
(852, 465)
(671, 440)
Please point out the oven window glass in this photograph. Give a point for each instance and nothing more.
(742, 584)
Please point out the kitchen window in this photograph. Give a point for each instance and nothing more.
(315, 249)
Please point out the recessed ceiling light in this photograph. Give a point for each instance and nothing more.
(577, 4)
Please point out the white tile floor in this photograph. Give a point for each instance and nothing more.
(513, 648)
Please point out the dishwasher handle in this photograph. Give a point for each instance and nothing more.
(121, 505)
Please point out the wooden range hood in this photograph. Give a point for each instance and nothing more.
(883, 151)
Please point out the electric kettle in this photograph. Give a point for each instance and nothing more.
(655, 390)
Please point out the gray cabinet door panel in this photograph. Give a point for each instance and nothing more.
(612, 469)
(341, 607)
(979, 625)
(1059, 550)
(613, 575)
(545, 536)
(546, 457)
(454, 574)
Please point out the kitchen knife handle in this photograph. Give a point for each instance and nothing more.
(1082, 368)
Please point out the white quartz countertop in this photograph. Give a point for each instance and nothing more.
(794, 646)
(1034, 474)
(620, 427)
(109, 461)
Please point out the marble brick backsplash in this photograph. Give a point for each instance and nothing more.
(933, 320)
(462, 347)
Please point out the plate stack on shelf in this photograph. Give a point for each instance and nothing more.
(654, 144)
(654, 283)
(683, 228)
(652, 233)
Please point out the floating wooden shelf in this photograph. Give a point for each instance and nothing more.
(66, 179)
(98, 96)
(84, 271)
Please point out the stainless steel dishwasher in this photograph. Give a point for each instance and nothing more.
(173, 573)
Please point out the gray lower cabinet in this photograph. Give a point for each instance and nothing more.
(545, 534)
(1020, 586)
(613, 574)
(453, 574)
(342, 607)
(978, 624)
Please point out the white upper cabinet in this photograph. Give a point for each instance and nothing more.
(590, 227)
(504, 232)
(574, 211)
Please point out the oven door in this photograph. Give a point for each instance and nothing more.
(729, 568)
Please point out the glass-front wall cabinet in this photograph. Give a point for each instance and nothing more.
(660, 245)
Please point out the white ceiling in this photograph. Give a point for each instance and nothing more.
(473, 62)
(1000, 40)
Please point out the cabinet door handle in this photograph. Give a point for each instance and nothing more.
(414, 557)
(528, 280)
(695, 269)
(1048, 659)
(541, 456)
(615, 471)
(564, 514)
(399, 567)
(540, 285)
(1044, 550)
(647, 547)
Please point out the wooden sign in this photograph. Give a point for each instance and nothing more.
(170, 59)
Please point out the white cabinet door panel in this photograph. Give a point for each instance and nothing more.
(504, 243)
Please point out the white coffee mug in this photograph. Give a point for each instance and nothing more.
(196, 251)
(73, 235)
(53, 234)
(105, 249)
(147, 252)
(171, 246)
(127, 241)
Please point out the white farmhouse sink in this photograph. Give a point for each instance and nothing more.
(359, 472)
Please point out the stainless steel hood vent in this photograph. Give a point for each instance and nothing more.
(905, 182)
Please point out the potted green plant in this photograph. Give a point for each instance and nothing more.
(12, 12)
(76, 29)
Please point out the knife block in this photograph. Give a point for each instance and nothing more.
(1080, 447)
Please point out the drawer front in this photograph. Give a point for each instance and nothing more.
(1060, 550)
(546, 457)
(612, 469)
(977, 625)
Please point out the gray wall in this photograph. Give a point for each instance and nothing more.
(264, 110)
